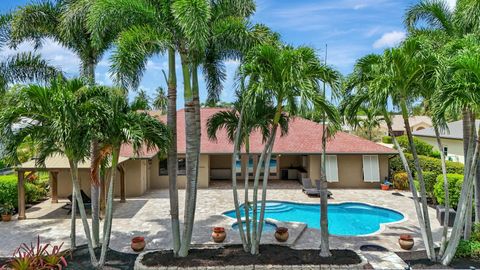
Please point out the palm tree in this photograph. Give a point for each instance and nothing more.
(367, 120)
(57, 125)
(124, 125)
(269, 73)
(65, 23)
(187, 27)
(141, 101)
(436, 15)
(160, 101)
(240, 122)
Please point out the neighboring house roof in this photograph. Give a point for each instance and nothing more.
(454, 131)
(398, 123)
(61, 162)
(304, 137)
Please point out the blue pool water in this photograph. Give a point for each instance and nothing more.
(345, 219)
(267, 227)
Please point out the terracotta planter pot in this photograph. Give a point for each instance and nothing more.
(281, 234)
(406, 241)
(384, 187)
(6, 218)
(138, 244)
(219, 234)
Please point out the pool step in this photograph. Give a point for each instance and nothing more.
(274, 208)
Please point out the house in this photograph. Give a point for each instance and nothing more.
(452, 140)
(416, 123)
(352, 162)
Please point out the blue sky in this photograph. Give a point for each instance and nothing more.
(351, 28)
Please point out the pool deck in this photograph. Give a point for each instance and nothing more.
(148, 216)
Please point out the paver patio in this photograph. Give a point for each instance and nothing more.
(149, 216)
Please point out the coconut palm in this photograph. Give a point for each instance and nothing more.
(269, 73)
(141, 101)
(160, 101)
(65, 22)
(240, 122)
(57, 126)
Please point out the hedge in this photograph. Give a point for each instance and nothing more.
(422, 147)
(430, 179)
(387, 140)
(428, 164)
(400, 181)
(8, 190)
(455, 182)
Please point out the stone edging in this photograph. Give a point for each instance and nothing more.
(139, 266)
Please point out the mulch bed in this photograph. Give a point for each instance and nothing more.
(419, 260)
(80, 259)
(234, 255)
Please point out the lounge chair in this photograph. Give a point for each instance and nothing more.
(308, 188)
(86, 201)
(318, 184)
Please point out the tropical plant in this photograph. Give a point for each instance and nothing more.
(65, 22)
(160, 102)
(141, 101)
(268, 71)
(367, 122)
(240, 122)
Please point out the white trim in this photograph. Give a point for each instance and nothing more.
(331, 169)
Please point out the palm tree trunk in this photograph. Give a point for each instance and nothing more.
(81, 207)
(95, 191)
(73, 222)
(324, 241)
(255, 244)
(107, 226)
(423, 194)
(446, 218)
(246, 204)
(192, 144)
(172, 151)
(236, 149)
(411, 183)
(470, 146)
(266, 174)
(465, 196)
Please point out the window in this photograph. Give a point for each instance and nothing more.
(163, 167)
(445, 150)
(250, 167)
(371, 169)
(331, 169)
(273, 165)
(182, 166)
(238, 166)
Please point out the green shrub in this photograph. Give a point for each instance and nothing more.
(435, 154)
(454, 189)
(400, 181)
(8, 190)
(422, 147)
(387, 139)
(468, 249)
(428, 164)
(430, 179)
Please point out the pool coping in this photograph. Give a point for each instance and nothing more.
(383, 226)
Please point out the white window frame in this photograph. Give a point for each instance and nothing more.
(371, 168)
(331, 168)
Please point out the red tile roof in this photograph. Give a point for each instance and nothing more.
(304, 137)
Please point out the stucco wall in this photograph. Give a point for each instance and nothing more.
(287, 161)
(350, 171)
(455, 147)
(161, 182)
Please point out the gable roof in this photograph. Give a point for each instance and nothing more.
(304, 137)
(454, 131)
(398, 124)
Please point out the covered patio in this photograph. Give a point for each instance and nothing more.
(58, 169)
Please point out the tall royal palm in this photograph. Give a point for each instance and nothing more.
(268, 71)
(65, 23)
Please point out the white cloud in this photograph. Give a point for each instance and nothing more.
(451, 3)
(390, 39)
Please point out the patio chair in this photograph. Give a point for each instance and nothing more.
(308, 188)
(86, 201)
(318, 184)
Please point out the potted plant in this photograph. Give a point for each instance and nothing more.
(281, 234)
(7, 211)
(406, 241)
(219, 234)
(138, 243)
(386, 185)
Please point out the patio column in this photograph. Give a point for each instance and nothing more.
(21, 195)
(54, 186)
(122, 184)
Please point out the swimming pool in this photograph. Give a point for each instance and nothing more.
(344, 219)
